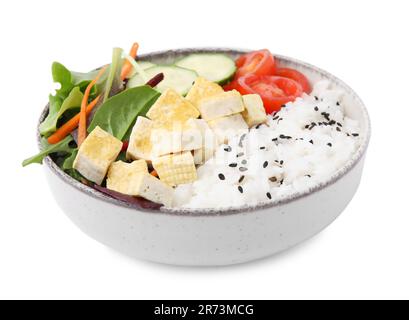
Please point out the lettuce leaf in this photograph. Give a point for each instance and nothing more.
(49, 125)
(63, 146)
(113, 82)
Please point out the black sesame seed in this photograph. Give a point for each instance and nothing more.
(227, 149)
(332, 122)
(258, 126)
(338, 129)
(262, 148)
(339, 125)
(338, 103)
(316, 98)
(233, 165)
(276, 117)
(265, 164)
(316, 108)
(282, 181)
(240, 154)
(311, 141)
(355, 134)
(329, 144)
(274, 139)
(348, 134)
(273, 179)
(268, 194)
(308, 175)
(307, 126)
(221, 176)
(240, 189)
(283, 106)
(282, 162)
(244, 161)
(242, 169)
(282, 136)
(241, 179)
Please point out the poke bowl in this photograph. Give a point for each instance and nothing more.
(231, 212)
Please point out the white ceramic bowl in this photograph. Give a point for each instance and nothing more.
(215, 237)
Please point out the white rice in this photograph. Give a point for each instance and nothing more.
(280, 157)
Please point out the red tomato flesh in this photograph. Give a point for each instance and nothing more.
(274, 91)
(257, 62)
(295, 75)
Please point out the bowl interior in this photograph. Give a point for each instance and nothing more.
(353, 107)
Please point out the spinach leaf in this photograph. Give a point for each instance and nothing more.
(56, 110)
(119, 112)
(62, 146)
(62, 76)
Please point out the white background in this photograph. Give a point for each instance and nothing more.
(364, 254)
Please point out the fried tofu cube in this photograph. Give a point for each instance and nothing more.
(133, 179)
(227, 127)
(209, 142)
(140, 146)
(98, 151)
(172, 107)
(202, 88)
(121, 175)
(175, 137)
(175, 169)
(221, 105)
(254, 112)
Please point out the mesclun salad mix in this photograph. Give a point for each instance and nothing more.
(206, 131)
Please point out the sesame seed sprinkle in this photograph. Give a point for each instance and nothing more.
(329, 144)
(241, 179)
(355, 134)
(242, 169)
(265, 164)
(240, 189)
(227, 149)
(268, 194)
(221, 176)
(233, 165)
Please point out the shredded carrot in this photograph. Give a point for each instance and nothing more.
(127, 67)
(70, 125)
(82, 125)
(154, 173)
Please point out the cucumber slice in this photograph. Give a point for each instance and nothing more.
(144, 65)
(177, 78)
(215, 67)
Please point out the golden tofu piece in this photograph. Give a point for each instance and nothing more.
(175, 169)
(121, 175)
(96, 154)
(172, 107)
(254, 112)
(227, 127)
(140, 146)
(221, 105)
(209, 142)
(203, 88)
(176, 138)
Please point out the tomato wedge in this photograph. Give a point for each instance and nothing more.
(257, 62)
(274, 91)
(295, 75)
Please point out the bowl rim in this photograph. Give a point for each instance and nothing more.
(198, 212)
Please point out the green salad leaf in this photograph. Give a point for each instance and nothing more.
(119, 112)
(49, 125)
(63, 146)
(69, 160)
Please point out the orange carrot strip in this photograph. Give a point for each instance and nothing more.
(70, 125)
(82, 126)
(127, 67)
(154, 173)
